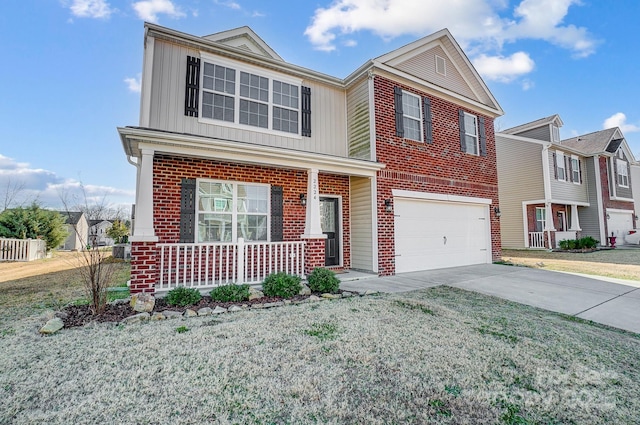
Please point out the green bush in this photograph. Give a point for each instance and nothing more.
(228, 293)
(583, 243)
(281, 285)
(588, 242)
(183, 297)
(323, 280)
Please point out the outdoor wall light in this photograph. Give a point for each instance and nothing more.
(303, 199)
(497, 211)
(636, 217)
(608, 216)
(387, 205)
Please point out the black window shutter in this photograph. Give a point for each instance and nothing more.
(306, 111)
(570, 170)
(615, 171)
(397, 98)
(555, 166)
(463, 145)
(566, 167)
(483, 137)
(277, 213)
(187, 210)
(192, 87)
(428, 123)
(580, 171)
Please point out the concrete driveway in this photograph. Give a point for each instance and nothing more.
(611, 302)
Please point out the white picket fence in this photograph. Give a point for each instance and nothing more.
(22, 249)
(206, 265)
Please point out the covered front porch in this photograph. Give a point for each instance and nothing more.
(549, 223)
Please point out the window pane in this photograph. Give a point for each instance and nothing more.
(411, 129)
(285, 94)
(217, 106)
(470, 126)
(215, 227)
(253, 113)
(471, 144)
(215, 197)
(253, 199)
(252, 227)
(219, 78)
(411, 105)
(285, 120)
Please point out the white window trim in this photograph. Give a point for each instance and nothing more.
(420, 119)
(444, 65)
(555, 133)
(560, 165)
(233, 213)
(476, 136)
(623, 165)
(578, 181)
(242, 67)
(544, 218)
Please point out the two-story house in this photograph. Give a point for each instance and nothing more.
(247, 164)
(552, 190)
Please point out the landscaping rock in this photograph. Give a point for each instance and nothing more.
(143, 302)
(254, 294)
(314, 298)
(304, 290)
(170, 314)
(234, 308)
(52, 326)
(331, 296)
(370, 292)
(205, 311)
(190, 313)
(157, 316)
(347, 294)
(121, 301)
(219, 310)
(141, 317)
(274, 304)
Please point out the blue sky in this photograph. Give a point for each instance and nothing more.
(70, 70)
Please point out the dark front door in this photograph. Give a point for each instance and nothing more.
(329, 219)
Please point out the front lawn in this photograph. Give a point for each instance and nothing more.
(440, 355)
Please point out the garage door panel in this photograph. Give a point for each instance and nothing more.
(619, 223)
(431, 234)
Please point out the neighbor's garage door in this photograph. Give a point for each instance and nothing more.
(619, 223)
(437, 234)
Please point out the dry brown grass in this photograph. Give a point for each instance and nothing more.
(618, 263)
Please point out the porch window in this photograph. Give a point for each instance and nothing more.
(230, 210)
(541, 218)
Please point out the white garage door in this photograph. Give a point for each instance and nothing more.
(436, 234)
(619, 223)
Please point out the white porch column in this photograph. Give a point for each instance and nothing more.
(548, 215)
(143, 230)
(575, 221)
(312, 227)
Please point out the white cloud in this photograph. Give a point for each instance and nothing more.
(47, 188)
(481, 26)
(619, 119)
(527, 84)
(91, 8)
(229, 4)
(504, 69)
(134, 84)
(148, 10)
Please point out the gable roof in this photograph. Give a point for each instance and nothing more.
(417, 60)
(596, 142)
(244, 38)
(95, 222)
(71, 217)
(552, 119)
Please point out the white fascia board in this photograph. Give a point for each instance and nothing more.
(618, 210)
(439, 91)
(557, 202)
(223, 150)
(410, 194)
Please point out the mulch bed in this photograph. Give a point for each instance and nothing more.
(80, 315)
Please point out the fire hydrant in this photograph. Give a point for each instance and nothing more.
(612, 241)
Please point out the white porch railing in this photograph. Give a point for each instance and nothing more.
(22, 249)
(563, 236)
(207, 265)
(536, 240)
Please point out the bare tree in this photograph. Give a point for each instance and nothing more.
(10, 193)
(95, 265)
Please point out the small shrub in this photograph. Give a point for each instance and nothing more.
(583, 243)
(183, 297)
(230, 293)
(589, 242)
(323, 280)
(182, 329)
(281, 285)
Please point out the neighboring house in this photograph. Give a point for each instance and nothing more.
(248, 164)
(635, 183)
(552, 190)
(98, 233)
(78, 228)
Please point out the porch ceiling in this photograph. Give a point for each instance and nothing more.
(136, 139)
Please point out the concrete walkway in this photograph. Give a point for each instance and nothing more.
(612, 302)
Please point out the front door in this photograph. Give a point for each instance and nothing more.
(329, 219)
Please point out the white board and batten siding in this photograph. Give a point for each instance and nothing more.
(433, 231)
(362, 224)
(358, 120)
(520, 179)
(328, 108)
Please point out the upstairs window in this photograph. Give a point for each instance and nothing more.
(470, 134)
(243, 95)
(555, 133)
(623, 175)
(412, 118)
(575, 170)
(561, 169)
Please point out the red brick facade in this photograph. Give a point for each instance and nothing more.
(607, 202)
(440, 167)
(168, 172)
